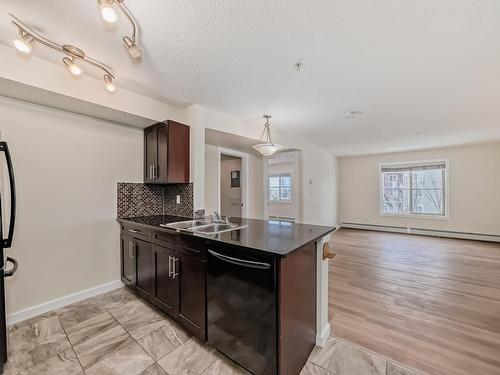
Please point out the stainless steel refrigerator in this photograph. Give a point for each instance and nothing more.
(8, 264)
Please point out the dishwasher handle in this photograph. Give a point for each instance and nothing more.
(240, 262)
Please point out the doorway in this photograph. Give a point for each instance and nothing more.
(282, 183)
(231, 196)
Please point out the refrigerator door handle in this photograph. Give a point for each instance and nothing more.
(13, 270)
(7, 242)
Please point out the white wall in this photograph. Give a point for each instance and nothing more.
(230, 196)
(66, 167)
(212, 196)
(319, 171)
(474, 189)
(255, 196)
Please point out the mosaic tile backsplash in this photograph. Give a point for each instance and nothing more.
(138, 199)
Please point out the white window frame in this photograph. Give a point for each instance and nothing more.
(446, 215)
(279, 174)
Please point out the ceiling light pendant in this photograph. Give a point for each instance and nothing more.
(108, 12)
(110, 86)
(266, 146)
(24, 43)
(72, 67)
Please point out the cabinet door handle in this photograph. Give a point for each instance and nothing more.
(131, 249)
(155, 175)
(169, 266)
(174, 270)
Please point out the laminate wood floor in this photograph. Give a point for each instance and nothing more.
(431, 304)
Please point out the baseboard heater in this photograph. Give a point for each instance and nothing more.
(424, 232)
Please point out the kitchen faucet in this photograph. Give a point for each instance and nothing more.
(217, 218)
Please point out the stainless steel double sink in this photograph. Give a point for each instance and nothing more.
(203, 226)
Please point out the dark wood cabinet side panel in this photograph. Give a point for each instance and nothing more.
(178, 152)
(145, 267)
(297, 309)
(161, 169)
(192, 293)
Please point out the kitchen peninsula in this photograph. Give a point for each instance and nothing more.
(249, 292)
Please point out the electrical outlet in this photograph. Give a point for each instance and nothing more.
(178, 199)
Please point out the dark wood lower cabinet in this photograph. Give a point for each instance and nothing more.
(192, 292)
(128, 270)
(145, 274)
(170, 271)
(166, 295)
(170, 276)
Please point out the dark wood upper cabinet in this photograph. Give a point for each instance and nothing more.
(166, 153)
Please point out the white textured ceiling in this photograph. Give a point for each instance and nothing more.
(425, 73)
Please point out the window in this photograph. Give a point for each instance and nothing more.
(280, 188)
(414, 189)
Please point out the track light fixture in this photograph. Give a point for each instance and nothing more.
(72, 67)
(110, 15)
(24, 43)
(72, 54)
(110, 86)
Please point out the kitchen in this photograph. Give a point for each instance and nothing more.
(120, 257)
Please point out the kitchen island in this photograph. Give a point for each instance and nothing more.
(251, 293)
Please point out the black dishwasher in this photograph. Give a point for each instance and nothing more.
(241, 307)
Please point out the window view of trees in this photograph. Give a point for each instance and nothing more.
(280, 187)
(413, 190)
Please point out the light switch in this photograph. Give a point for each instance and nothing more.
(178, 199)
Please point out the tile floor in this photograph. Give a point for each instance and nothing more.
(119, 334)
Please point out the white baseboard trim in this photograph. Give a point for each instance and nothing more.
(424, 232)
(323, 336)
(33, 311)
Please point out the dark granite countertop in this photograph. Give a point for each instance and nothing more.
(277, 238)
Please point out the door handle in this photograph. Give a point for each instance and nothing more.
(240, 262)
(12, 181)
(131, 249)
(13, 270)
(169, 266)
(174, 270)
(133, 231)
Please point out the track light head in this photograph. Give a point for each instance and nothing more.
(108, 80)
(108, 12)
(24, 43)
(72, 67)
(132, 48)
